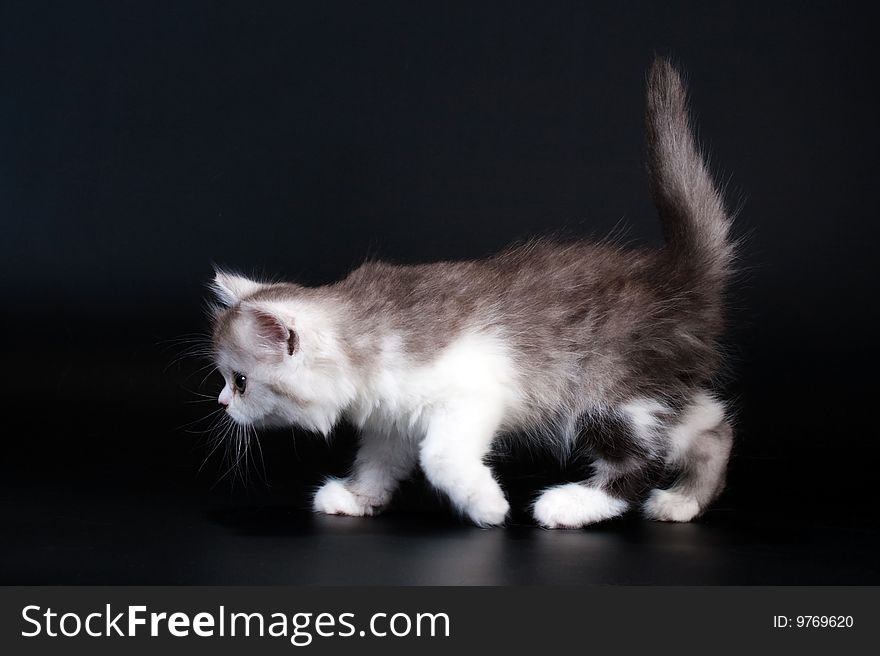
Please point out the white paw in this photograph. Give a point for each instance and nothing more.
(667, 506)
(335, 499)
(487, 506)
(574, 506)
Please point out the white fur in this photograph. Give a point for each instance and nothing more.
(575, 505)
(335, 499)
(699, 444)
(384, 459)
(452, 408)
(646, 416)
(459, 435)
(703, 414)
(230, 288)
(455, 405)
(669, 506)
(475, 366)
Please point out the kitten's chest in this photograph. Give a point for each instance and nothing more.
(397, 414)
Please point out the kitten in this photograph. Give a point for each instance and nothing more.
(561, 342)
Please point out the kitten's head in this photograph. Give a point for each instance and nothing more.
(277, 349)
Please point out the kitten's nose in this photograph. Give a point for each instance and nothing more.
(225, 397)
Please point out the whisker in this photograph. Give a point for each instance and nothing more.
(260, 451)
(200, 419)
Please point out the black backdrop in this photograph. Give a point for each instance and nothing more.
(140, 142)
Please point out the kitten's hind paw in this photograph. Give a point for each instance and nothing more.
(334, 498)
(575, 505)
(669, 506)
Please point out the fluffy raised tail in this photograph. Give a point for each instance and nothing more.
(695, 222)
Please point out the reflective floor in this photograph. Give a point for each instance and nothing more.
(150, 536)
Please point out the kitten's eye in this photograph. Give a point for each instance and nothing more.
(240, 381)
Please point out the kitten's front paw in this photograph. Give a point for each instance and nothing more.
(488, 507)
(335, 499)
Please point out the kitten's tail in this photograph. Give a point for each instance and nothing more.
(696, 224)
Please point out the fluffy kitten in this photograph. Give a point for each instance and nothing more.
(561, 342)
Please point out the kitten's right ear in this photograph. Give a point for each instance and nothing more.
(230, 288)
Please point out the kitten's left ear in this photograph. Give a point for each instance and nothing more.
(272, 331)
(231, 288)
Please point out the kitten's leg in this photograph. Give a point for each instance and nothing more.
(699, 446)
(384, 459)
(457, 440)
(630, 448)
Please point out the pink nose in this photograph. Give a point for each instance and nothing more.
(225, 397)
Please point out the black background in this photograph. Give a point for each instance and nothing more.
(140, 142)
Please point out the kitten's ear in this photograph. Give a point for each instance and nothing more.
(231, 288)
(272, 332)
